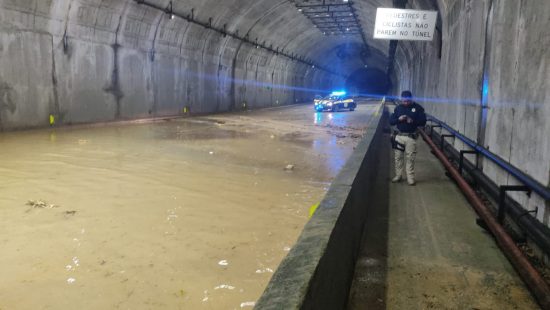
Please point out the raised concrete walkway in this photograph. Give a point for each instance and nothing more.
(423, 250)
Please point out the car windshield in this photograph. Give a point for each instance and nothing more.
(334, 97)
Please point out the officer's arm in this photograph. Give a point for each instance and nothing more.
(394, 118)
(421, 118)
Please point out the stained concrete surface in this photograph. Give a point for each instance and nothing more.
(185, 214)
(430, 254)
(497, 54)
(96, 60)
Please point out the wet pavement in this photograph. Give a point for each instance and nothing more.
(184, 214)
(422, 249)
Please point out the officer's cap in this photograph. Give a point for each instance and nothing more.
(406, 94)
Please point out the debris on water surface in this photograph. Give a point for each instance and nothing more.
(181, 293)
(289, 167)
(41, 204)
(224, 286)
(223, 263)
(264, 270)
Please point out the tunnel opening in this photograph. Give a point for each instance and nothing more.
(368, 82)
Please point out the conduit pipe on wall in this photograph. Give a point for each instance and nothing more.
(533, 228)
(528, 273)
(537, 187)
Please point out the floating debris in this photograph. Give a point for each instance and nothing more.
(289, 167)
(265, 270)
(223, 263)
(248, 304)
(224, 286)
(41, 204)
(181, 293)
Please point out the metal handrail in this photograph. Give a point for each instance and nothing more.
(528, 181)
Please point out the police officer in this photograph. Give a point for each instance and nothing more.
(408, 116)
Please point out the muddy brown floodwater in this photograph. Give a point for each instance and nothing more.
(185, 214)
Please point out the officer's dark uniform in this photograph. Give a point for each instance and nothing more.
(414, 111)
(407, 135)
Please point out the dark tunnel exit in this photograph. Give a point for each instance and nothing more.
(368, 81)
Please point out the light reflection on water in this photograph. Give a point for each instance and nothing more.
(169, 215)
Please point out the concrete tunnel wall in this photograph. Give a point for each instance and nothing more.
(102, 60)
(516, 83)
(95, 60)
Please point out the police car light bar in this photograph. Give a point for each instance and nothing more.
(338, 93)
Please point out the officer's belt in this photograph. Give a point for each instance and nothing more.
(408, 134)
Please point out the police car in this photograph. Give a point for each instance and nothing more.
(334, 102)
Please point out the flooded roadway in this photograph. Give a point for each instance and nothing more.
(184, 214)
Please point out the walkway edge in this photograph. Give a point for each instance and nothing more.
(318, 271)
(528, 273)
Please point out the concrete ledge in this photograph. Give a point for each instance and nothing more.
(318, 271)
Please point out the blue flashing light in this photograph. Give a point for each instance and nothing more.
(338, 93)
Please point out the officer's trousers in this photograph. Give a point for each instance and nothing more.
(409, 154)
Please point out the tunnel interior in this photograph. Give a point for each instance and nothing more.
(75, 61)
(484, 73)
(368, 82)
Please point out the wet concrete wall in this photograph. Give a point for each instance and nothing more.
(318, 271)
(96, 60)
(510, 40)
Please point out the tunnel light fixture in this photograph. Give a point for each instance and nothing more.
(170, 10)
(333, 17)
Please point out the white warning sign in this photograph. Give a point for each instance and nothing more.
(399, 24)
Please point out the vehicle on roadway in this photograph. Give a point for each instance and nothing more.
(335, 102)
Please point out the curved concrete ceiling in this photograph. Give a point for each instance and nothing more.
(281, 25)
(213, 56)
(275, 23)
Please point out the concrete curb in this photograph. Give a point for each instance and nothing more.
(318, 271)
